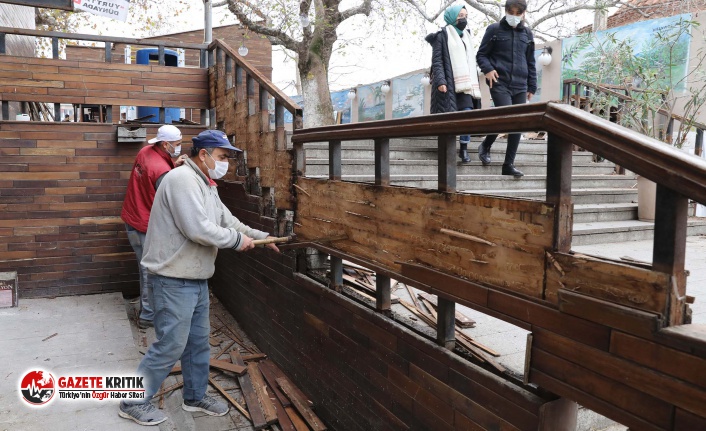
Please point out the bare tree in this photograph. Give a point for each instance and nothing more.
(308, 29)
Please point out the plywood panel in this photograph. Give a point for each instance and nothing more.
(608, 280)
(388, 225)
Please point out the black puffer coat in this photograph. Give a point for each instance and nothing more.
(510, 51)
(442, 74)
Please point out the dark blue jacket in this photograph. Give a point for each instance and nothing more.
(510, 51)
(442, 74)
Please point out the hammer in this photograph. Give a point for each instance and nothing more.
(274, 240)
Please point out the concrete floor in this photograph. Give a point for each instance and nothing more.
(95, 335)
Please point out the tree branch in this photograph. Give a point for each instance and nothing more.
(364, 8)
(477, 5)
(275, 36)
(567, 10)
(423, 12)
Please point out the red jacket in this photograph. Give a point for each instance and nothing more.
(150, 164)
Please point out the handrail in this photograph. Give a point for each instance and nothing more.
(98, 38)
(645, 156)
(271, 88)
(625, 98)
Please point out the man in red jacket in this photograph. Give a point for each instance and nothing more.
(151, 163)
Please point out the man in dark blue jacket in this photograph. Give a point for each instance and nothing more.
(506, 57)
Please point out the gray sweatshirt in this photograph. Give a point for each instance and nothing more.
(188, 224)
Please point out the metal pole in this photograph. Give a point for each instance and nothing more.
(207, 21)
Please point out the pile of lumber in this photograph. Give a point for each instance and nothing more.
(271, 401)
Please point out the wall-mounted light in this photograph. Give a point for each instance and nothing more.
(545, 58)
(425, 80)
(304, 20)
(351, 94)
(385, 87)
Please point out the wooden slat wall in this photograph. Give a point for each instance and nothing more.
(61, 191)
(61, 81)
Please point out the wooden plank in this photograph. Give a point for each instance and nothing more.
(269, 374)
(645, 380)
(684, 366)
(616, 316)
(251, 400)
(690, 338)
(283, 420)
(447, 163)
(309, 416)
(377, 222)
(261, 391)
(445, 324)
(609, 280)
(383, 300)
(296, 419)
(685, 421)
(633, 401)
(382, 162)
(462, 321)
(230, 399)
(227, 366)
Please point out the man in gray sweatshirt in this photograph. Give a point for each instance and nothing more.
(187, 226)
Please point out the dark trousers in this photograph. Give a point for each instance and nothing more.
(503, 96)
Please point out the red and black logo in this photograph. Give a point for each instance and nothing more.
(37, 387)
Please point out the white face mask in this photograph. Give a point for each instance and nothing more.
(513, 20)
(177, 150)
(220, 170)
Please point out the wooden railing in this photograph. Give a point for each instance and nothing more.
(580, 93)
(512, 259)
(239, 105)
(80, 83)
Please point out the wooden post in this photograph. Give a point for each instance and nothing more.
(669, 249)
(299, 159)
(162, 116)
(334, 160)
(3, 47)
(203, 115)
(160, 54)
(54, 47)
(579, 87)
(202, 59)
(264, 110)
(108, 52)
(212, 118)
(280, 133)
(699, 145)
(57, 112)
(383, 294)
(558, 415)
(238, 83)
(250, 86)
(229, 72)
(5, 110)
(109, 114)
(447, 163)
(446, 323)
(382, 162)
(559, 160)
(336, 273)
(209, 61)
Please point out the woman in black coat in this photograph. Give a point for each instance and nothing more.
(454, 78)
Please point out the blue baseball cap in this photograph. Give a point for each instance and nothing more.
(213, 139)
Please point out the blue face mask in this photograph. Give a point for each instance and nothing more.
(513, 20)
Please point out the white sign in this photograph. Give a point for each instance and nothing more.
(115, 9)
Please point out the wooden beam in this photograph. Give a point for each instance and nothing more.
(334, 160)
(382, 162)
(446, 323)
(55, 47)
(559, 163)
(108, 52)
(3, 46)
(261, 391)
(669, 249)
(336, 275)
(447, 163)
(303, 409)
(5, 110)
(383, 294)
(248, 391)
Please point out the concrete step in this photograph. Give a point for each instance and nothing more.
(625, 230)
(591, 213)
(490, 184)
(579, 196)
(430, 167)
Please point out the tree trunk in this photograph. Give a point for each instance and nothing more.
(318, 109)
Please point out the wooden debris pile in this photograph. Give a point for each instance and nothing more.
(239, 370)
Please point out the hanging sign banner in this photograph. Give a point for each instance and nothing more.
(115, 9)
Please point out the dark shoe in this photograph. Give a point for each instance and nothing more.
(208, 405)
(484, 154)
(144, 324)
(143, 414)
(463, 153)
(511, 170)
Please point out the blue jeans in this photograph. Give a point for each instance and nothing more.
(182, 326)
(465, 139)
(137, 241)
